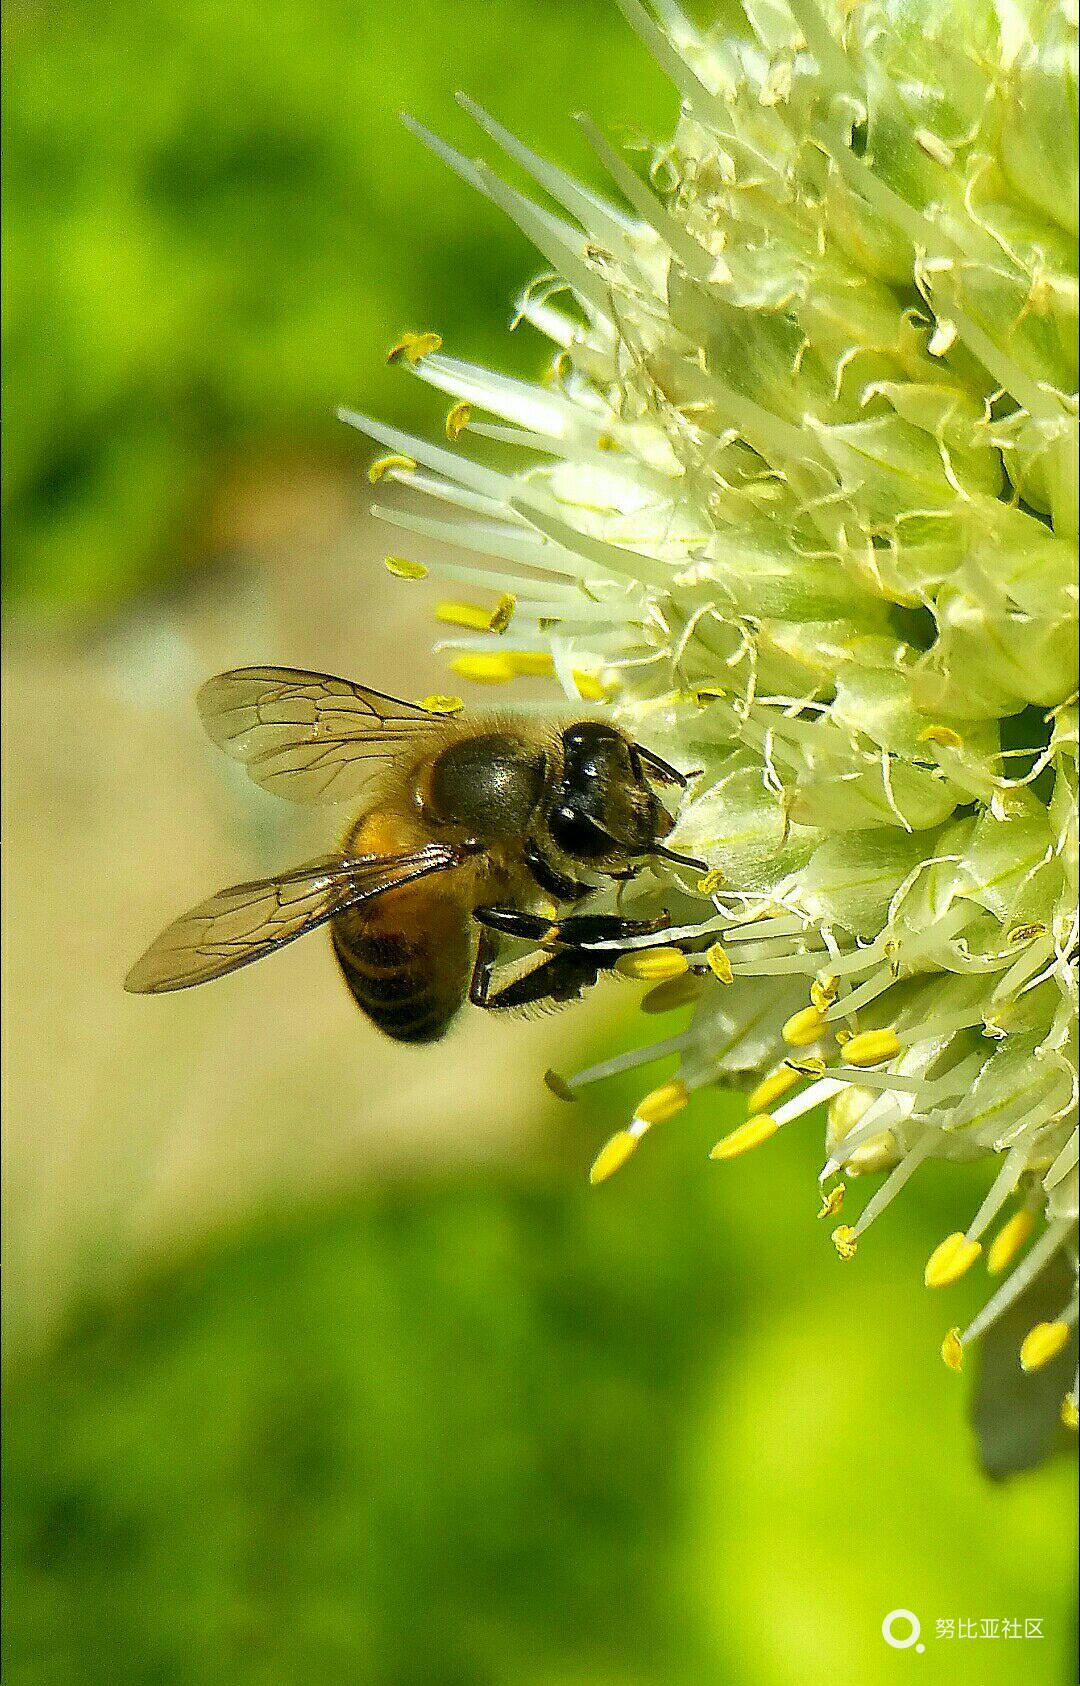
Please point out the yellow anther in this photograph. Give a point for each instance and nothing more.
(612, 1156)
(604, 442)
(952, 1350)
(1042, 1343)
(503, 612)
(674, 992)
(413, 346)
(950, 1259)
(531, 664)
(1069, 1414)
(843, 1037)
(764, 910)
(804, 1029)
(711, 882)
(832, 1202)
(483, 669)
(1024, 933)
(1009, 1240)
(823, 992)
(870, 1047)
(457, 420)
(653, 965)
(590, 687)
(471, 615)
(403, 569)
(705, 694)
(811, 1065)
(559, 1086)
(771, 1088)
(663, 1103)
(943, 735)
(751, 1134)
(719, 963)
(384, 465)
(442, 705)
(845, 1241)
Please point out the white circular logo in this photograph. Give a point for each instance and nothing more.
(902, 1641)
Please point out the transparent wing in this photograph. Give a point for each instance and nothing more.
(306, 736)
(249, 921)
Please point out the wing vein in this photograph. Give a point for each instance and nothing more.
(305, 736)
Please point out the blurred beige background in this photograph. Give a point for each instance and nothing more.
(131, 1120)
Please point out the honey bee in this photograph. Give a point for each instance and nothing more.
(471, 826)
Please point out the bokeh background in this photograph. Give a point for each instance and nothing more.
(323, 1363)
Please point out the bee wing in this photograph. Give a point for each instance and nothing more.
(246, 922)
(306, 736)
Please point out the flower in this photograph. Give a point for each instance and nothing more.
(798, 503)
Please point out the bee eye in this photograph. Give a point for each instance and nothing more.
(575, 834)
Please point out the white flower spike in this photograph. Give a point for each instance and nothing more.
(798, 503)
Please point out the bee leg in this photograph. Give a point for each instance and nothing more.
(519, 991)
(550, 879)
(487, 952)
(531, 927)
(585, 945)
(603, 936)
(556, 977)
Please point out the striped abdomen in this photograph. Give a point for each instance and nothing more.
(407, 958)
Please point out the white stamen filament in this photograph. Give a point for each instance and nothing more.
(1053, 1237)
(895, 1181)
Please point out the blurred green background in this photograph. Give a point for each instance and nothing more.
(322, 1361)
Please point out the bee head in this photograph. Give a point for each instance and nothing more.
(604, 810)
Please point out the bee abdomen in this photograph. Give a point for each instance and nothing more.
(409, 985)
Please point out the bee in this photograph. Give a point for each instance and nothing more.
(472, 825)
